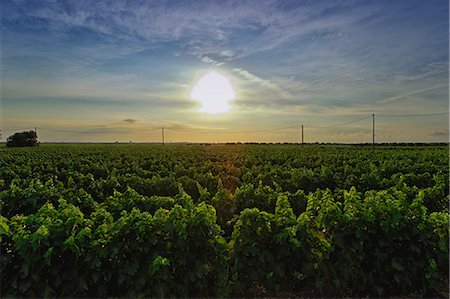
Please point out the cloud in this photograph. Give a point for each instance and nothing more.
(129, 120)
(209, 60)
(412, 93)
(233, 29)
(227, 53)
(334, 54)
(201, 27)
(440, 133)
(118, 78)
(262, 82)
(435, 69)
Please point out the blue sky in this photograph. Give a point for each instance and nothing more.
(118, 70)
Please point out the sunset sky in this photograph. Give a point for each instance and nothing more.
(120, 70)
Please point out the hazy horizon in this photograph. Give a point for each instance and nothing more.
(83, 71)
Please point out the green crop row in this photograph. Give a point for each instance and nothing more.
(379, 245)
(153, 170)
(221, 221)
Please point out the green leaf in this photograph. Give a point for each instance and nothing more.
(48, 256)
(82, 284)
(49, 292)
(25, 270)
(70, 244)
(42, 231)
(157, 263)
(25, 285)
(95, 276)
(379, 290)
(396, 263)
(121, 278)
(432, 264)
(4, 228)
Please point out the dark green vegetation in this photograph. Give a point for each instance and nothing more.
(22, 139)
(235, 220)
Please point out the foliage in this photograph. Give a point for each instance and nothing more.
(59, 252)
(219, 221)
(22, 139)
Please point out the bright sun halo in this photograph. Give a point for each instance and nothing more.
(214, 92)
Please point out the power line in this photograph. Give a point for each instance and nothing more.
(208, 131)
(183, 130)
(269, 130)
(205, 130)
(22, 129)
(340, 124)
(90, 131)
(412, 115)
(231, 132)
(274, 129)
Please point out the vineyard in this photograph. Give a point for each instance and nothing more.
(137, 220)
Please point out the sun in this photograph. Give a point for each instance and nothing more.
(214, 92)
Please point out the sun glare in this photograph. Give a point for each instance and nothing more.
(214, 92)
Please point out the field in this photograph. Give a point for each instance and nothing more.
(135, 220)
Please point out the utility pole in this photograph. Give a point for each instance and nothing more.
(162, 131)
(373, 128)
(302, 136)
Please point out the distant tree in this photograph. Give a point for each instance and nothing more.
(26, 138)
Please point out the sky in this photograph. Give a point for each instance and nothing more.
(121, 70)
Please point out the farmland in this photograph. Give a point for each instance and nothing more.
(137, 220)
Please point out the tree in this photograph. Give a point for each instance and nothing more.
(25, 138)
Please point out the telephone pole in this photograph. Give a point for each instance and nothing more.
(302, 136)
(162, 131)
(373, 128)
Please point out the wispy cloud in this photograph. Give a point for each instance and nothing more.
(432, 70)
(262, 82)
(200, 27)
(209, 60)
(289, 58)
(129, 120)
(441, 133)
(412, 93)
